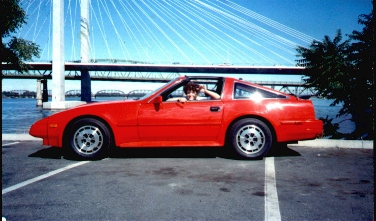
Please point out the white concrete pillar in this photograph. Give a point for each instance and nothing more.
(39, 94)
(58, 68)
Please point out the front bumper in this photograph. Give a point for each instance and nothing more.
(40, 129)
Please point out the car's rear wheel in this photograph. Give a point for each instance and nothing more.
(89, 139)
(250, 138)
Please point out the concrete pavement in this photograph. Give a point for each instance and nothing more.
(40, 183)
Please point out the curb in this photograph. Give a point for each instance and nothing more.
(318, 143)
(18, 137)
(325, 143)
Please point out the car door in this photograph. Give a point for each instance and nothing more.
(172, 121)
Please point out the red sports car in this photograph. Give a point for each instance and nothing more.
(248, 117)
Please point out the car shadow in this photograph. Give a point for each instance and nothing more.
(279, 150)
(49, 153)
(282, 150)
(181, 152)
(185, 152)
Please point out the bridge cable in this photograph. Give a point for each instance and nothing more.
(100, 25)
(214, 36)
(248, 26)
(303, 37)
(215, 18)
(73, 29)
(242, 35)
(127, 27)
(116, 30)
(175, 20)
(163, 32)
(151, 36)
(203, 39)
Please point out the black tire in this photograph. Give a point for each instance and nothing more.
(88, 139)
(250, 138)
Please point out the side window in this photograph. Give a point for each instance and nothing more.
(243, 91)
(177, 90)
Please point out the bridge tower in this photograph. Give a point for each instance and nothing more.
(58, 63)
(85, 50)
(58, 68)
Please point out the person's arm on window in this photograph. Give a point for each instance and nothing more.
(178, 99)
(212, 94)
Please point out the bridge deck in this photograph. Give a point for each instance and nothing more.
(166, 68)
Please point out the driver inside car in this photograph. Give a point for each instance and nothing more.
(191, 91)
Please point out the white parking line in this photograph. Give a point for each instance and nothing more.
(271, 196)
(44, 176)
(8, 144)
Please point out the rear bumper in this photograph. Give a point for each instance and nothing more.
(299, 130)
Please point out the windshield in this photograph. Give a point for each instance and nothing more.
(152, 92)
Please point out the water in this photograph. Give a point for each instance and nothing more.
(323, 109)
(19, 114)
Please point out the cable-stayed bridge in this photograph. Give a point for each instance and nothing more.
(156, 40)
(163, 32)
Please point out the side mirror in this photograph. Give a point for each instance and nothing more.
(158, 100)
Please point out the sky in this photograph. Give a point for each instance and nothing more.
(239, 32)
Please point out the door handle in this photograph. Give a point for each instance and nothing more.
(215, 109)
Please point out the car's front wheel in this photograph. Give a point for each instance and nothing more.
(89, 139)
(250, 138)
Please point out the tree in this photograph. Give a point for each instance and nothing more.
(15, 50)
(362, 56)
(343, 71)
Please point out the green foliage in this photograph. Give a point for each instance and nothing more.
(15, 50)
(326, 66)
(362, 55)
(12, 17)
(344, 71)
